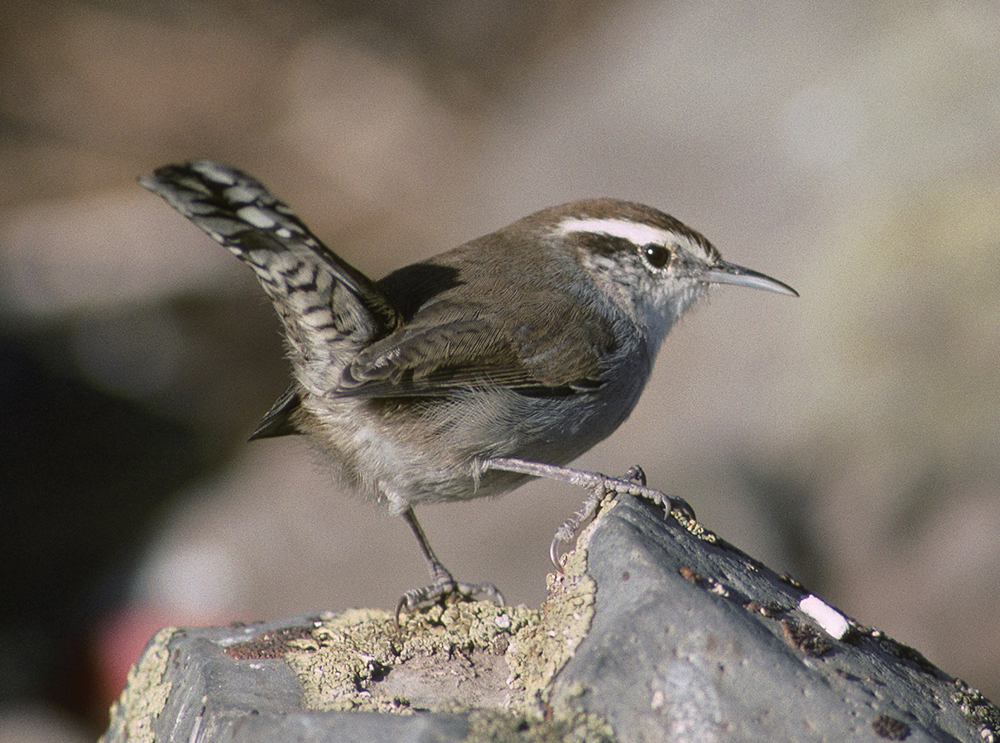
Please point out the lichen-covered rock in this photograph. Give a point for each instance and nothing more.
(655, 630)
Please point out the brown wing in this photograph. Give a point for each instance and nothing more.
(455, 345)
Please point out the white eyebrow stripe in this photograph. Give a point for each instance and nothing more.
(634, 232)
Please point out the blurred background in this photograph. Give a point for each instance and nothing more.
(851, 436)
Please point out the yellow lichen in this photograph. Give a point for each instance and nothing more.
(341, 664)
(542, 648)
(145, 694)
(360, 660)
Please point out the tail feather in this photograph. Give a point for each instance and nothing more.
(280, 419)
(327, 306)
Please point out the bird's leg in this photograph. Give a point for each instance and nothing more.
(443, 585)
(631, 483)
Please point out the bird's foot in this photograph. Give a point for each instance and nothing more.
(632, 482)
(600, 486)
(446, 590)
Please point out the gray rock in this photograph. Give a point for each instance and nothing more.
(655, 630)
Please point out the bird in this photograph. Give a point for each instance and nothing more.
(468, 373)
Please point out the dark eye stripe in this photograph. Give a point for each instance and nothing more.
(602, 244)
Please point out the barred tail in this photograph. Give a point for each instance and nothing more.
(329, 309)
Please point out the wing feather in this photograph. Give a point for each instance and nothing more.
(454, 346)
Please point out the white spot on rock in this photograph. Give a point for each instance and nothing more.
(832, 621)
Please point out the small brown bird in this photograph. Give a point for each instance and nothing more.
(463, 375)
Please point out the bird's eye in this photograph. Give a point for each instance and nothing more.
(656, 255)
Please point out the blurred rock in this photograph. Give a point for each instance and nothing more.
(899, 440)
(106, 250)
(40, 724)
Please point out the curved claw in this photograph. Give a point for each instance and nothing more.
(679, 504)
(635, 474)
(404, 600)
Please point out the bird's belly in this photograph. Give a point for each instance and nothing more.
(420, 451)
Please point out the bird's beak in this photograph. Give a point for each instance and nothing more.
(730, 273)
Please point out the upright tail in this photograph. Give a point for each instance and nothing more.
(329, 309)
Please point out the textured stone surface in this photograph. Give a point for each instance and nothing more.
(656, 630)
(693, 640)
